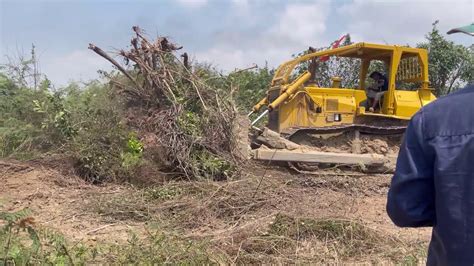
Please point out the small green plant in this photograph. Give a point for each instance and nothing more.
(190, 123)
(163, 193)
(132, 155)
(211, 166)
(32, 121)
(14, 250)
(134, 145)
(23, 243)
(417, 257)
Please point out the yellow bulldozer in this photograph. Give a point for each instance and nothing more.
(333, 125)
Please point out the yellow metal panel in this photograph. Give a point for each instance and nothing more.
(299, 112)
(364, 68)
(423, 61)
(407, 103)
(386, 116)
(340, 104)
(426, 96)
(332, 104)
(294, 112)
(388, 107)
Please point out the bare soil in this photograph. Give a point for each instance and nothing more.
(233, 216)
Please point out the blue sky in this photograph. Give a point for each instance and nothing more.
(228, 33)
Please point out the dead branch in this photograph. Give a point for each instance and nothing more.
(191, 122)
(101, 52)
(185, 60)
(98, 229)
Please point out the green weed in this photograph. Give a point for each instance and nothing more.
(163, 193)
(24, 243)
(132, 156)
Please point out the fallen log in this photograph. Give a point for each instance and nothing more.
(310, 156)
(272, 139)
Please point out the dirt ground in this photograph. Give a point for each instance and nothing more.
(233, 216)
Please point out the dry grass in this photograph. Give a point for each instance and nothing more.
(354, 183)
(337, 238)
(254, 220)
(270, 216)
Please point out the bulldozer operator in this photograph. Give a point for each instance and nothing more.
(377, 90)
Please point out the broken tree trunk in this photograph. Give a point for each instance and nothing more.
(310, 156)
(272, 139)
(101, 52)
(240, 131)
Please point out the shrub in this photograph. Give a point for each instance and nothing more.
(28, 126)
(100, 139)
(189, 120)
(132, 156)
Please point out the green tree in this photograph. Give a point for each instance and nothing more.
(252, 85)
(20, 124)
(450, 65)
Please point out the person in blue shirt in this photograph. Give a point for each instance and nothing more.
(375, 93)
(433, 184)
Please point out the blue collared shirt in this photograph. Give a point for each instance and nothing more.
(433, 184)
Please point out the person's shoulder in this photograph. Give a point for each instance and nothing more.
(451, 100)
(452, 114)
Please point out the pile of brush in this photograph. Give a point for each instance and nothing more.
(187, 125)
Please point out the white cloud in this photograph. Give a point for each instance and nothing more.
(226, 59)
(403, 21)
(303, 23)
(229, 60)
(192, 3)
(241, 2)
(272, 31)
(298, 26)
(82, 65)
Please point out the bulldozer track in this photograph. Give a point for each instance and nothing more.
(298, 134)
(369, 129)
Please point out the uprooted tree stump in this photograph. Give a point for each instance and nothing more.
(186, 123)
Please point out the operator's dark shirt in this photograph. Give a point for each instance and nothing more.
(433, 183)
(384, 86)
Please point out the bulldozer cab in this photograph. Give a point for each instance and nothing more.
(295, 101)
(406, 68)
